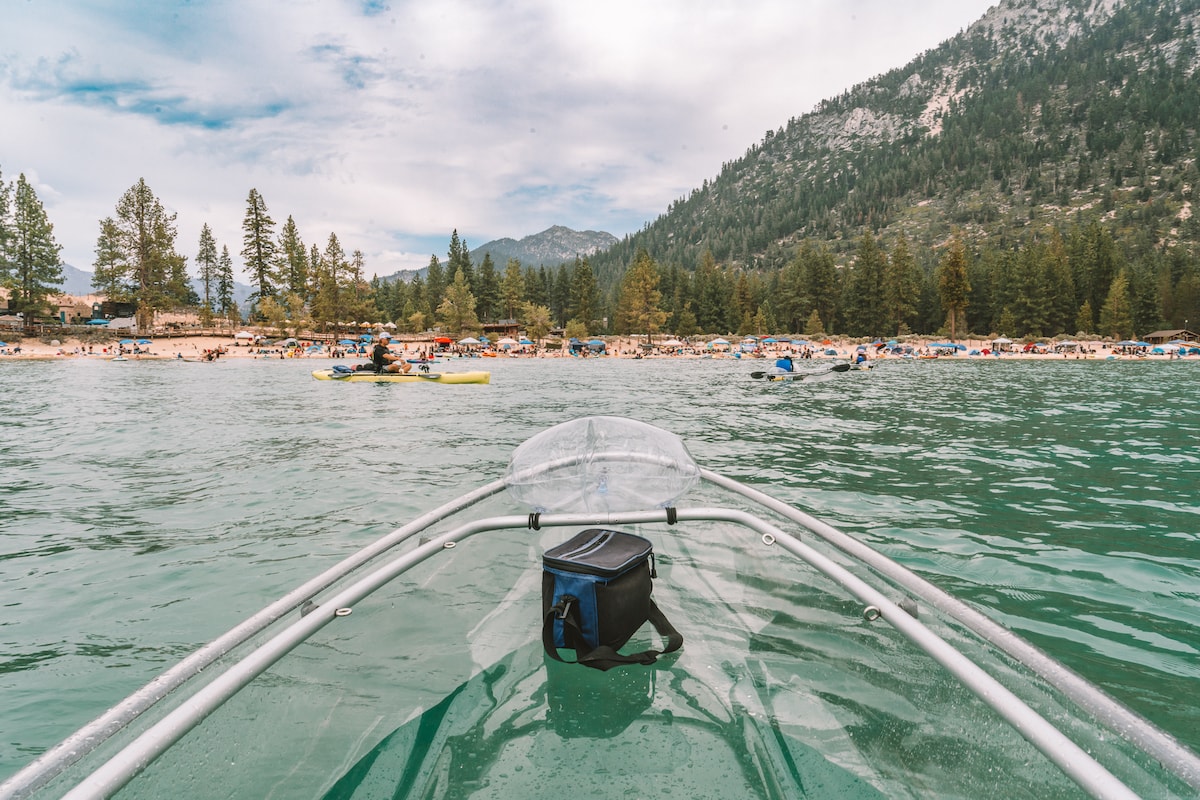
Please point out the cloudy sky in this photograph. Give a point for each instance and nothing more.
(393, 123)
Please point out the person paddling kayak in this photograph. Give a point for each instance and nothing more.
(382, 359)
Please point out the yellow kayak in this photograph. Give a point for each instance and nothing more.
(397, 377)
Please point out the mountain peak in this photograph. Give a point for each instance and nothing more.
(553, 246)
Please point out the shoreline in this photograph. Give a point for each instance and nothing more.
(194, 348)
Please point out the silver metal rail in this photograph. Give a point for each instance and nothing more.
(1176, 758)
(1059, 749)
(57, 759)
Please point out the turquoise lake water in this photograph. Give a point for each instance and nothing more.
(149, 506)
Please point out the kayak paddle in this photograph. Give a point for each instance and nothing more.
(834, 368)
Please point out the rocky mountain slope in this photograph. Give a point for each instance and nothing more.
(1041, 112)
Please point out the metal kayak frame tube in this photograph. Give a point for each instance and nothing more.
(1058, 748)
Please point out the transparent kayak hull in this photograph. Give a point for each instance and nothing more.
(812, 666)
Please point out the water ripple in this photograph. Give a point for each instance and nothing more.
(1061, 497)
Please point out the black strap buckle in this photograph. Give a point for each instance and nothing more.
(564, 606)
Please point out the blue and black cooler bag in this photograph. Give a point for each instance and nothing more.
(596, 594)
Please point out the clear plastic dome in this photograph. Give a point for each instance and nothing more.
(600, 464)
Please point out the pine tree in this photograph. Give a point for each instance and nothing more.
(435, 283)
(360, 301)
(953, 288)
(487, 290)
(457, 310)
(821, 283)
(1063, 310)
(225, 302)
(901, 288)
(30, 266)
(712, 301)
(328, 303)
(512, 288)
(585, 294)
(863, 306)
(539, 284)
(5, 233)
(293, 265)
(1031, 304)
(459, 258)
(791, 295)
(135, 255)
(814, 327)
(1085, 321)
(639, 311)
(258, 247)
(206, 264)
(558, 286)
(1146, 313)
(1116, 315)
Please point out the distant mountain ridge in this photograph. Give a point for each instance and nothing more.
(553, 246)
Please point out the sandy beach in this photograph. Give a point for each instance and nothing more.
(196, 347)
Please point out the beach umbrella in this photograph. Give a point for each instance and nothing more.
(366, 337)
(526, 341)
(347, 341)
(126, 341)
(469, 340)
(672, 343)
(3, 344)
(770, 340)
(719, 341)
(443, 340)
(144, 341)
(507, 340)
(484, 340)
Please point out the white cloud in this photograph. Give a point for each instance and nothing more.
(393, 127)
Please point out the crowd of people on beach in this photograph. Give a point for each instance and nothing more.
(424, 350)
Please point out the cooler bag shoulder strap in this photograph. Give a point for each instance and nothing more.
(604, 657)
